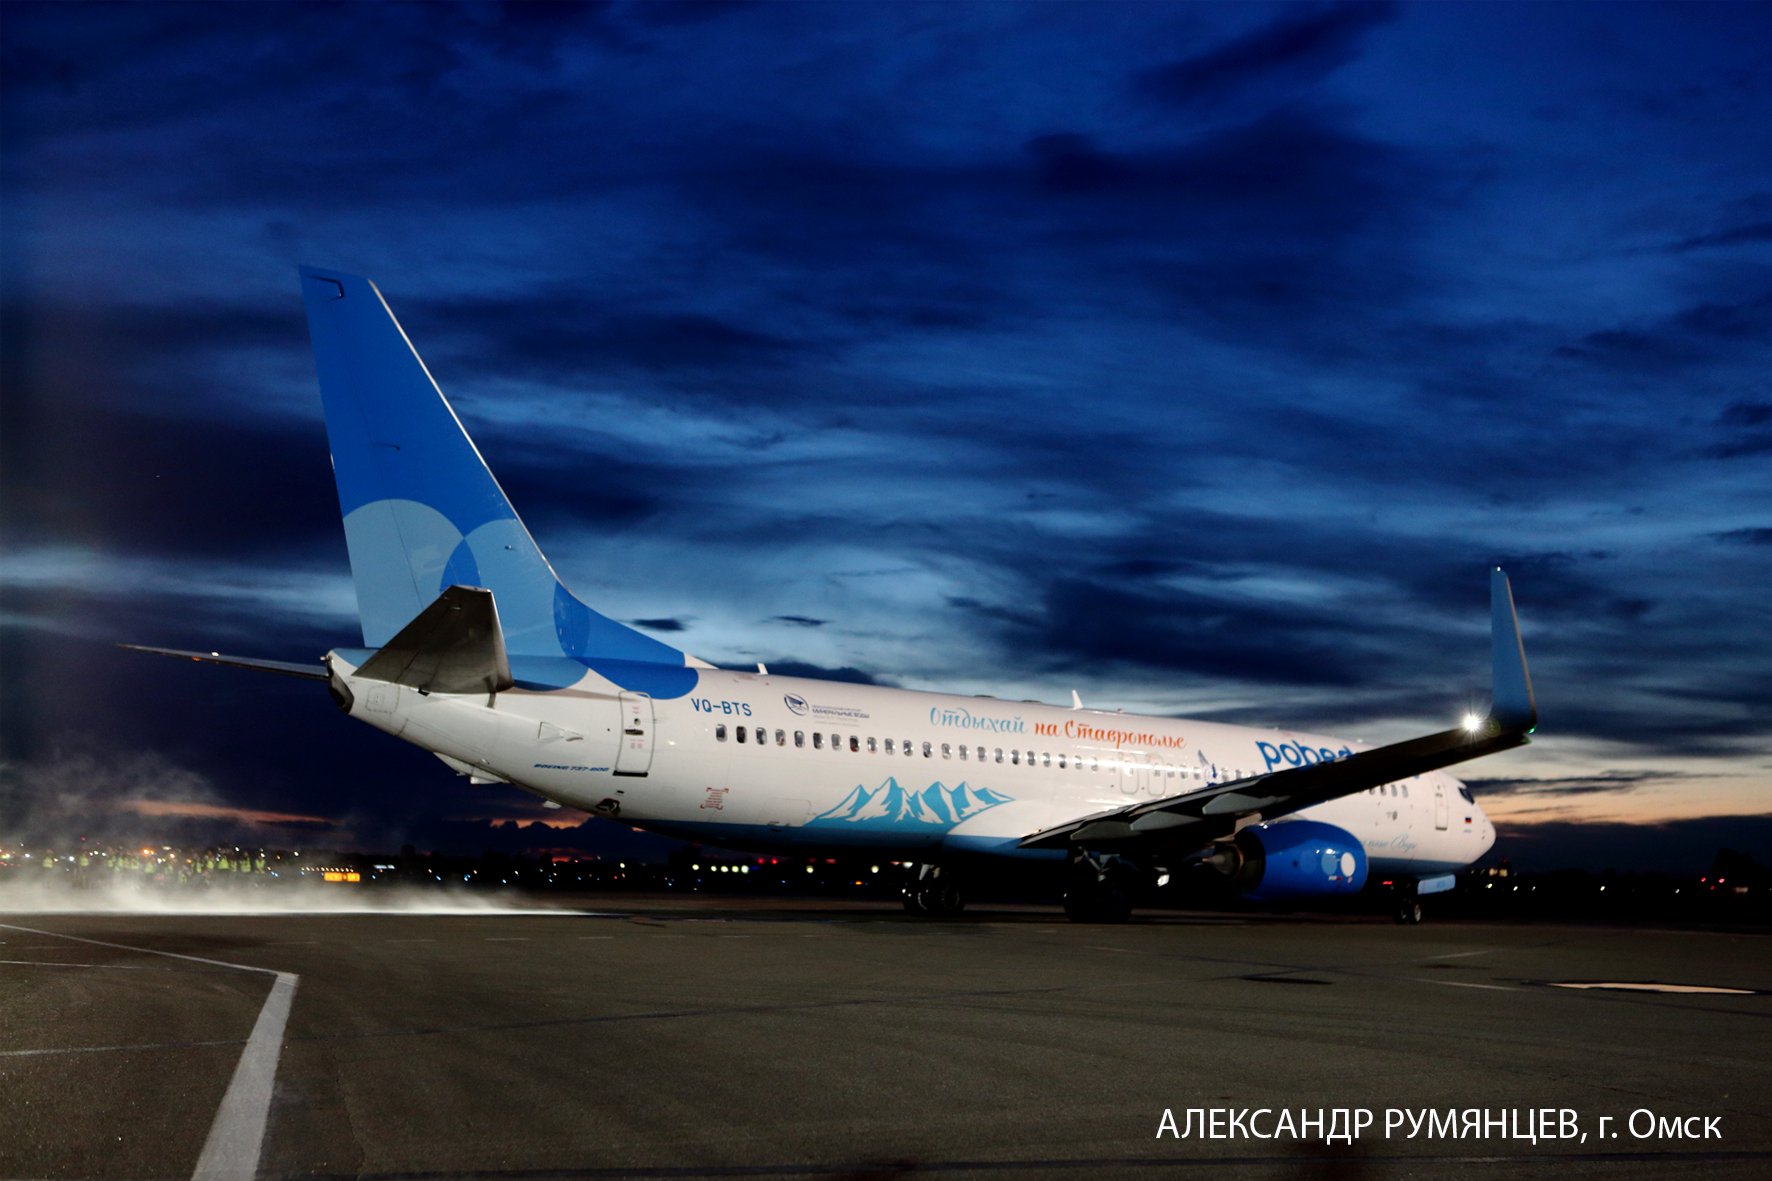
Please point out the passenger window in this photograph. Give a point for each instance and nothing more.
(1405, 791)
(907, 748)
(855, 744)
(817, 740)
(741, 731)
(762, 736)
(720, 732)
(928, 750)
(799, 738)
(947, 752)
(889, 746)
(1045, 760)
(962, 752)
(999, 754)
(1061, 760)
(871, 747)
(1015, 758)
(781, 738)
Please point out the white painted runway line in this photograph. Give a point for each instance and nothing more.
(237, 1134)
(1629, 986)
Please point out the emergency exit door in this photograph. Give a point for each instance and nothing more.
(635, 754)
(1135, 774)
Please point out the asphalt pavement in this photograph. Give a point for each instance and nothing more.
(750, 1038)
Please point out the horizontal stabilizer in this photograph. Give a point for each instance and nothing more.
(454, 646)
(284, 668)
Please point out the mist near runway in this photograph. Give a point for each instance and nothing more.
(292, 898)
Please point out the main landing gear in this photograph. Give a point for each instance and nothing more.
(933, 890)
(1099, 888)
(1409, 908)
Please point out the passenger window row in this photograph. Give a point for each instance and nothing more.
(819, 740)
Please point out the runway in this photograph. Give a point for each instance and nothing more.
(758, 1039)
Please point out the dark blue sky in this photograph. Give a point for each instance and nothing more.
(1200, 358)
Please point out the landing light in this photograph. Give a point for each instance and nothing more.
(1472, 723)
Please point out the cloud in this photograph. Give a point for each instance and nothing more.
(1742, 235)
(559, 334)
(1579, 785)
(1678, 847)
(1168, 353)
(1292, 52)
(661, 625)
(1759, 535)
(843, 674)
(1702, 334)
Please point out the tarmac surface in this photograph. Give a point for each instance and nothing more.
(747, 1038)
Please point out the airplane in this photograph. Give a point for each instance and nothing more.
(473, 649)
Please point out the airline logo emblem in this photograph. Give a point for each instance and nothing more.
(825, 713)
(1296, 754)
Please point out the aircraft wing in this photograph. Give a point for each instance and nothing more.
(1197, 818)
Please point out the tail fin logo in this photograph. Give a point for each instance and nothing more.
(422, 511)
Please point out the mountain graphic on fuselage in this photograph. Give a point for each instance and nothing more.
(891, 806)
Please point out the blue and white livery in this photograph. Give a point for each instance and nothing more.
(473, 649)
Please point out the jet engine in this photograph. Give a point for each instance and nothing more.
(1293, 859)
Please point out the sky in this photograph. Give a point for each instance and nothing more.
(1199, 358)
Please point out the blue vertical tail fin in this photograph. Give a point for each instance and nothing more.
(422, 511)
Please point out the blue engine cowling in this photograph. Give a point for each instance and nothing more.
(1299, 859)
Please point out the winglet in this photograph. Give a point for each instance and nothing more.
(1514, 707)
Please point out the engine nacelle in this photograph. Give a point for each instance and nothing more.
(1299, 859)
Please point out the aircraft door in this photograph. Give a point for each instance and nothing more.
(1440, 815)
(635, 754)
(1135, 775)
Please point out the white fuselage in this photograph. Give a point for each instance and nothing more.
(772, 764)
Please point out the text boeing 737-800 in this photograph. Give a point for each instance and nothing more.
(475, 651)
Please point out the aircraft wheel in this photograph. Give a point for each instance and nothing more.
(933, 892)
(1409, 911)
(946, 900)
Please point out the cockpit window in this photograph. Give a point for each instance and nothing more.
(1466, 793)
